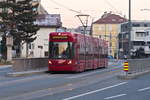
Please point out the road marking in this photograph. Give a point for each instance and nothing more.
(144, 89)
(116, 96)
(84, 94)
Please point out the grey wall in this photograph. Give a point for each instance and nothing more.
(23, 64)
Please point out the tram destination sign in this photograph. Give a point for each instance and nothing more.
(59, 37)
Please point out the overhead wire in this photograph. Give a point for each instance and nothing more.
(70, 9)
(110, 4)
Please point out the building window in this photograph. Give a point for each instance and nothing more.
(137, 35)
(126, 36)
(147, 34)
(113, 20)
(102, 28)
(145, 25)
(45, 44)
(46, 53)
(136, 25)
(39, 46)
(110, 28)
(31, 46)
(45, 40)
(140, 34)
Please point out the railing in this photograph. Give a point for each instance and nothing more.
(138, 65)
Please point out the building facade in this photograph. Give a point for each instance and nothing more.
(48, 23)
(140, 37)
(108, 28)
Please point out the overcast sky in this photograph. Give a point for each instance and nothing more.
(95, 8)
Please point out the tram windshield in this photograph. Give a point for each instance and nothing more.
(61, 50)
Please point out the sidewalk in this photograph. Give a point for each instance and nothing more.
(131, 75)
(125, 76)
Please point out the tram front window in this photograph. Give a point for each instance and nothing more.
(61, 50)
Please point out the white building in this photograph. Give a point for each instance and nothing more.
(48, 23)
(140, 36)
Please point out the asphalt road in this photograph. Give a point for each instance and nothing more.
(101, 84)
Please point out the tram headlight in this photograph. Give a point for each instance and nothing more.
(70, 62)
(49, 62)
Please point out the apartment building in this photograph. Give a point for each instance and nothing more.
(140, 37)
(108, 28)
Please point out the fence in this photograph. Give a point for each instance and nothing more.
(138, 65)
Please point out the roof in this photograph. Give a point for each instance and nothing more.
(108, 18)
(49, 20)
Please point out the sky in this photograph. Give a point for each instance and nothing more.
(95, 8)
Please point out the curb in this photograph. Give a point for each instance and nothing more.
(5, 66)
(114, 63)
(25, 73)
(132, 76)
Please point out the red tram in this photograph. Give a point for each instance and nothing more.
(76, 52)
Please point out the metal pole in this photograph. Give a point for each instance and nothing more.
(91, 30)
(122, 45)
(105, 32)
(84, 26)
(110, 44)
(129, 22)
(85, 43)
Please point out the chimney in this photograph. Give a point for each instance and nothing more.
(104, 15)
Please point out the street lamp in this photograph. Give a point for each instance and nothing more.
(84, 21)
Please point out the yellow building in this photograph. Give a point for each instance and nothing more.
(108, 28)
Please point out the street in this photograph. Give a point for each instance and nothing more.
(100, 84)
(41, 38)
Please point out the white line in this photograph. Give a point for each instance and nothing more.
(115, 96)
(140, 90)
(77, 96)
